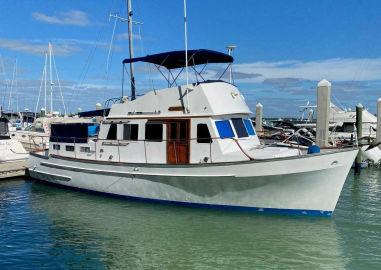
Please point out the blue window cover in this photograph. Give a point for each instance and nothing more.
(224, 129)
(249, 126)
(93, 130)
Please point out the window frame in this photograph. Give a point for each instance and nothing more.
(130, 132)
(88, 150)
(116, 132)
(240, 131)
(67, 147)
(230, 128)
(246, 122)
(206, 139)
(56, 147)
(154, 139)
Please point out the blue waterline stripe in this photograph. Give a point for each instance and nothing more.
(293, 212)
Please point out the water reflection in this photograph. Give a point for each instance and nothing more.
(358, 220)
(112, 233)
(46, 227)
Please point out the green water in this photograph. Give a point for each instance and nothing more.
(45, 227)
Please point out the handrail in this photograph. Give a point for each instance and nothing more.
(118, 143)
(162, 140)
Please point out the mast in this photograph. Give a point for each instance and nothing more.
(131, 49)
(45, 71)
(186, 53)
(51, 78)
(16, 88)
(10, 104)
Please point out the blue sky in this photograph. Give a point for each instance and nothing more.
(284, 47)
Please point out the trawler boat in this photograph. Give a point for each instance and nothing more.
(191, 144)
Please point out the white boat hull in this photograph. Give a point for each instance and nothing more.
(309, 185)
(12, 150)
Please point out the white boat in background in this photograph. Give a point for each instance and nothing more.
(35, 137)
(13, 156)
(342, 122)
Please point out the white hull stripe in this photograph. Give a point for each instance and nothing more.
(95, 171)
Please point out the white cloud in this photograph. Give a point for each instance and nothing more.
(38, 48)
(73, 17)
(337, 69)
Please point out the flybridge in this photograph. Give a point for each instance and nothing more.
(176, 59)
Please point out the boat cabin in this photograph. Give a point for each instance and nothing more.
(202, 122)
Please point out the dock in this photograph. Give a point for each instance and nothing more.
(12, 169)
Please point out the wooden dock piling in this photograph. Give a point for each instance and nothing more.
(323, 110)
(258, 117)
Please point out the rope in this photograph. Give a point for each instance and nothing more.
(243, 151)
(39, 92)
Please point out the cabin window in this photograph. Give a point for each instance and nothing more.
(56, 146)
(239, 127)
(203, 134)
(85, 149)
(130, 132)
(249, 126)
(70, 148)
(154, 132)
(224, 129)
(111, 135)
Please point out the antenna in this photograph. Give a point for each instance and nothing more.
(186, 53)
(230, 49)
(131, 48)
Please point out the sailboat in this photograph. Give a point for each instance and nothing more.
(191, 144)
(35, 137)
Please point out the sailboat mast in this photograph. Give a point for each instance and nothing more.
(10, 105)
(16, 89)
(131, 49)
(51, 78)
(45, 71)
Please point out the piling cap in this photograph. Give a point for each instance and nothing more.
(360, 105)
(323, 83)
(379, 100)
(259, 105)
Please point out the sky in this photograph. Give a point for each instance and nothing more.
(284, 48)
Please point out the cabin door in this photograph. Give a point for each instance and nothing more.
(178, 141)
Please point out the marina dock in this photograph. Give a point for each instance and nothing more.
(12, 169)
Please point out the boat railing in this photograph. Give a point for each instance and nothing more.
(34, 143)
(94, 148)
